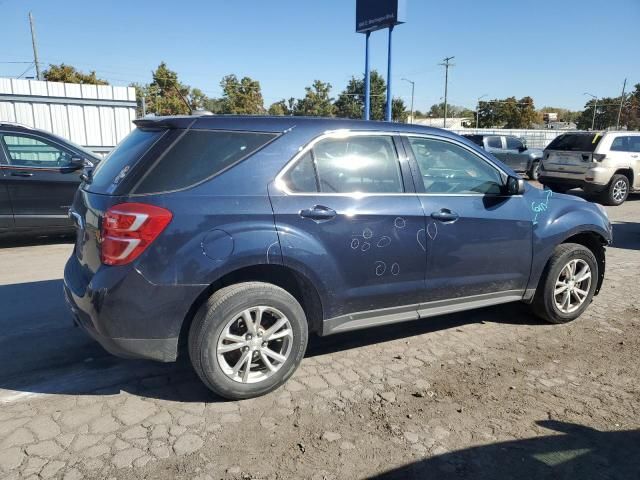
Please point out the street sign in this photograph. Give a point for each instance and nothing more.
(374, 15)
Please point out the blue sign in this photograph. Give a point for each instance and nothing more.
(377, 14)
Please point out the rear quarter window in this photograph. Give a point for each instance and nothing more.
(198, 155)
(576, 142)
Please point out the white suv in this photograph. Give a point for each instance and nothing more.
(606, 164)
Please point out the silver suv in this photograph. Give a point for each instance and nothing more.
(603, 164)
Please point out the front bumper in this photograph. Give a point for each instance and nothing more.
(126, 314)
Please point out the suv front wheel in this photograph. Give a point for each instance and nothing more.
(248, 339)
(617, 191)
(567, 285)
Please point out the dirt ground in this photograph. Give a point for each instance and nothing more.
(492, 393)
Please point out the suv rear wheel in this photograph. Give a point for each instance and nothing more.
(617, 191)
(534, 171)
(248, 339)
(567, 285)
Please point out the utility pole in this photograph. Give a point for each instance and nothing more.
(35, 49)
(446, 66)
(624, 86)
(413, 84)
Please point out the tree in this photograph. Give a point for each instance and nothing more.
(606, 115)
(68, 74)
(165, 95)
(506, 113)
(242, 97)
(279, 108)
(350, 103)
(399, 111)
(316, 102)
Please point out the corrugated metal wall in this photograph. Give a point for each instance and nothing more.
(94, 116)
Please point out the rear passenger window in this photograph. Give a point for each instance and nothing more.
(494, 142)
(357, 164)
(626, 144)
(514, 143)
(199, 155)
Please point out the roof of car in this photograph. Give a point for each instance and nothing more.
(265, 123)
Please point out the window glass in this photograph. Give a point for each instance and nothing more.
(198, 155)
(576, 142)
(367, 164)
(619, 144)
(127, 153)
(448, 168)
(477, 139)
(26, 151)
(302, 177)
(494, 142)
(513, 143)
(634, 143)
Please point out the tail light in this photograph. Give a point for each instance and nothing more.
(598, 157)
(128, 229)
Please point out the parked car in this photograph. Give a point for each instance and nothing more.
(242, 235)
(39, 175)
(604, 164)
(512, 151)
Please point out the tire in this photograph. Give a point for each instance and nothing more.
(222, 315)
(617, 191)
(545, 304)
(534, 171)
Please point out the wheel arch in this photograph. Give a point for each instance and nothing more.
(287, 278)
(627, 172)
(596, 243)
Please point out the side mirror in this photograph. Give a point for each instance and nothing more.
(515, 186)
(78, 162)
(522, 148)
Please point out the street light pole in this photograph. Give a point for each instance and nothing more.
(478, 108)
(413, 84)
(595, 107)
(624, 86)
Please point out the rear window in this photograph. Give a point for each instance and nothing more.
(576, 142)
(126, 154)
(198, 155)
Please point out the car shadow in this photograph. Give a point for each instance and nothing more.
(578, 452)
(41, 351)
(626, 235)
(30, 241)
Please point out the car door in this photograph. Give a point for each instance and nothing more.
(517, 155)
(346, 211)
(494, 144)
(40, 178)
(625, 153)
(6, 213)
(479, 240)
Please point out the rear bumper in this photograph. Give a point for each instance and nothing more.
(127, 315)
(596, 178)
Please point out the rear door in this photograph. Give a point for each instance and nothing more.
(517, 158)
(6, 213)
(347, 212)
(479, 241)
(625, 152)
(571, 152)
(40, 179)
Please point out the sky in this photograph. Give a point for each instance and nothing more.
(553, 51)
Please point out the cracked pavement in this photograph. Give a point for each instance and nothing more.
(395, 402)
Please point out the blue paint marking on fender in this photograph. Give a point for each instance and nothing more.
(539, 207)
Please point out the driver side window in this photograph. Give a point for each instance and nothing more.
(448, 168)
(26, 151)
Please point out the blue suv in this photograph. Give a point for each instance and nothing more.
(240, 236)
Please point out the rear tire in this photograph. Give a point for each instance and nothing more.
(534, 171)
(559, 283)
(236, 345)
(617, 191)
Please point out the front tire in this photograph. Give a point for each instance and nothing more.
(617, 191)
(567, 285)
(248, 339)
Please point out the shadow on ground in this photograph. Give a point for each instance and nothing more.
(626, 235)
(42, 352)
(573, 452)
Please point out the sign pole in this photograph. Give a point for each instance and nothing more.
(388, 114)
(367, 79)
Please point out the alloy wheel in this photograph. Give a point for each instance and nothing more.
(254, 344)
(572, 286)
(619, 191)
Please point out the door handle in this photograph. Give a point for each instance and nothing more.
(21, 174)
(318, 213)
(445, 215)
